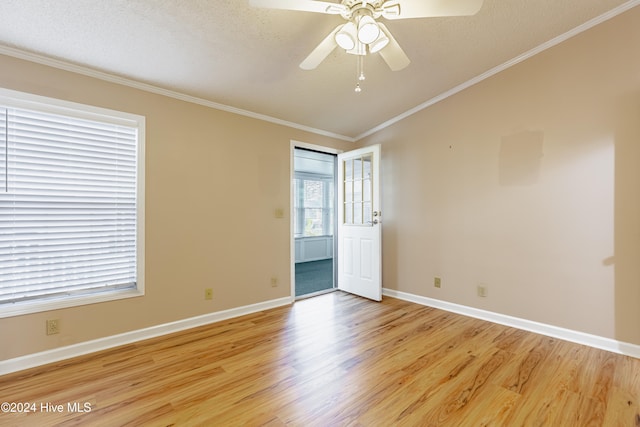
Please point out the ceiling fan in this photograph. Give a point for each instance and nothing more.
(362, 34)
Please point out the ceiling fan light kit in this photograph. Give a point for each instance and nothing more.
(360, 49)
(362, 34)
(346, 36)
(379, 43)
(368, 30)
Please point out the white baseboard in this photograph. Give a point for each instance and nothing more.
(602, 343)
(67, 352)
(55, 355)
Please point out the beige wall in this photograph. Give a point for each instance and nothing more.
(528, 182)
(213, 182)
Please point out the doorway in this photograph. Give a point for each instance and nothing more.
(314, 220)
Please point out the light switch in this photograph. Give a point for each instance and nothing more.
(279, 213)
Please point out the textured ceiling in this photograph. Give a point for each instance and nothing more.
(226, 52)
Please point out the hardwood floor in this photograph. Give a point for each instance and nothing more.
(337, 360)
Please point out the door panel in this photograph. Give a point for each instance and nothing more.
(359, 223)
(348, 258)
(366, 249)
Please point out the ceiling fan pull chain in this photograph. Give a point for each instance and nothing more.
(359, 73)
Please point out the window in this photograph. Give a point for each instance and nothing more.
(71, 198)
(358, 205)
(314, 206)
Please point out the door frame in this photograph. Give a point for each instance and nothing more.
(292, 241)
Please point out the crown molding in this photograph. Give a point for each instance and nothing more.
(112, 78)
(536, 50)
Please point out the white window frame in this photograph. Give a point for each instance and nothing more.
(17, 99)
(327, 182)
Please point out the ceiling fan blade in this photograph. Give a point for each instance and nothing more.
(321, 51)
(430, 8)
(301, 5)
(392, 53)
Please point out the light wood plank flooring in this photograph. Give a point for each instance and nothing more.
(338, 360)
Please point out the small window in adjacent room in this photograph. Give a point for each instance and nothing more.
(71, 204)
(313, 198)
(314, 206)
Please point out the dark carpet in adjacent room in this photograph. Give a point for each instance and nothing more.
(314, 276)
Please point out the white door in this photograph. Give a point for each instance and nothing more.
(359, 223)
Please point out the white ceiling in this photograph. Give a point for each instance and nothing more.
(228, 53)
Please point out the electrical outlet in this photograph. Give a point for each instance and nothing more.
(482, 291)
(279, 213)
(53, 326)
(437, 282)
(208, 293)
(274, 282)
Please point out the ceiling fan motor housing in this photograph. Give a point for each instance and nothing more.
(375, 9)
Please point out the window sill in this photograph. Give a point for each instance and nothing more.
(18, 309)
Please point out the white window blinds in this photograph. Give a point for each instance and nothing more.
(68, 211)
